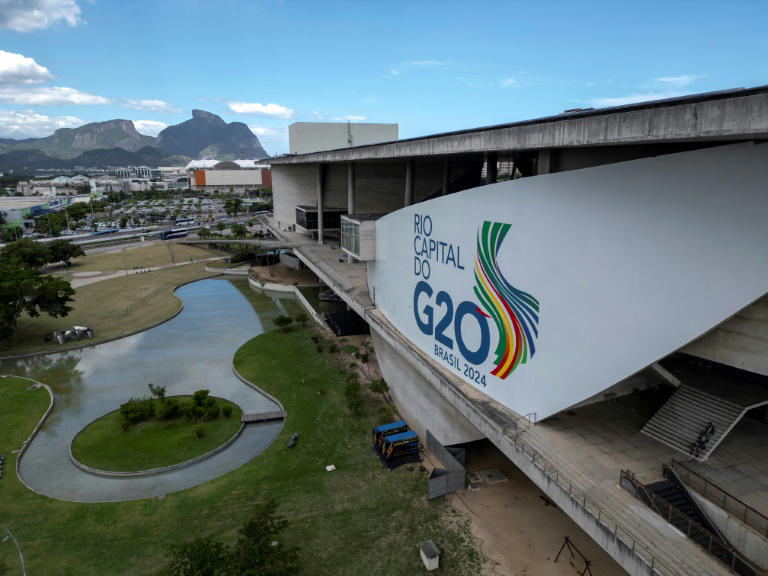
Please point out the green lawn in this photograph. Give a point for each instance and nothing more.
(359, 519)
(104, 444)
(151, 255)
(112, 308)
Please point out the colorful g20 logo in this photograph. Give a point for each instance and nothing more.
(514, 313)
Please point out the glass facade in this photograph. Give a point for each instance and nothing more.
(350, 235)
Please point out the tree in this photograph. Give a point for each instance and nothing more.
(24, 290)
(63, 251)
(123, 221)
(257, 552)
(282, 322)
(232, 206)
(27, 252)
(219, 226)
(157, 391)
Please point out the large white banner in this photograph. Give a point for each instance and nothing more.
(544, 291)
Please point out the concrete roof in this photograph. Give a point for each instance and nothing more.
(738, 114)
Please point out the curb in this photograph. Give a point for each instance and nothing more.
(28, 441)
(151, 471)
(247, 382)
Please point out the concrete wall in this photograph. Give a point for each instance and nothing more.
(741, 537)
(737, 116)
(292, 186)
(419, 403)
(233, 177)
(305, 137)
(741, 342)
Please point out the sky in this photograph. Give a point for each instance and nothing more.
(428, 66)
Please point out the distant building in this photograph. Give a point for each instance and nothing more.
(235, 177)
(306, 137)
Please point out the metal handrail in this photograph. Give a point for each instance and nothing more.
(656, 565)
(713, 538)
(747, 509)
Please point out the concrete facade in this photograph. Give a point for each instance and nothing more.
(306, 137)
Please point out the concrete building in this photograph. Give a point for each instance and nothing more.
(306, 137)
(590, 318)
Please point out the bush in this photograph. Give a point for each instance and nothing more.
(212, 412)
(200, 397)
(169, 410)
(379, 386)
(227, 410)
(301, 318)
(282, 322)
(333, 348)
(138, 410)
(199, 430)
(353, 396)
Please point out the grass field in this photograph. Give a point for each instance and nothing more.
(111, 308)
(151, 255)
(359, 519)
(104, 444)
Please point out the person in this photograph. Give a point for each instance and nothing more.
(710, 429)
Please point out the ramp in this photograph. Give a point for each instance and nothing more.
(682, 418)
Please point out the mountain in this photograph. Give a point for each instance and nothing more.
(68, 143)
(27, 160)
(208, 136)
(118, 143)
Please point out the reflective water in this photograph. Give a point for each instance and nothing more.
(194, 350)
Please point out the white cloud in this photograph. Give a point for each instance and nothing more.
(30, 124)
(153, 105)
(149, 127)
(509, 82)
(634, 98)
(678, 81)
(18, 69)
(349, 118)
(272, 138)
(397, 69)
(48, 96)
(27, 15)
(259, 109)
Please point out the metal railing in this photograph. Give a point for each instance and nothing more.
(695, 531)
(656, 566)
(727, 501)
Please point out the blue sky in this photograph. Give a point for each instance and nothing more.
(431, 66)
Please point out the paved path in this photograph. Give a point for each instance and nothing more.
(190, 352)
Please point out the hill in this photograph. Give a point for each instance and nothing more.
(208, 136)
(25, 160)
(68, 143)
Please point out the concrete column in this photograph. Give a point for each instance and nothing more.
(351, 188)
(492, 170)
(409, 178)
(543, 162)
(320, 204)
(446, 176)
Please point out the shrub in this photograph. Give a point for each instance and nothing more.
(137, 410)
(353, 396)
(157, 391)
(200, 397)
(315, 338)
(213, 411)
(333, 348)
(199, 430)
(282, 322)
(301, 318)
(169, 410)
(188, 410)
(379, 386)
(227, 410)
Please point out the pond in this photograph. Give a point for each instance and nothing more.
(192, 351)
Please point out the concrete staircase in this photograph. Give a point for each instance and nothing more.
(683, 417)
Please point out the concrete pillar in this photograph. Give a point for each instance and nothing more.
(409, 177)
(491, 170)
(351, 188)
(320, 204)
(543, 162)
(446, 176)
